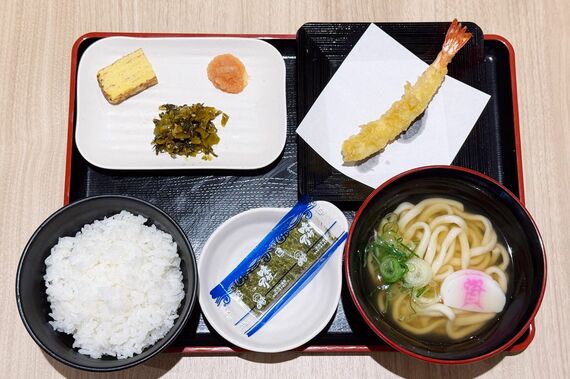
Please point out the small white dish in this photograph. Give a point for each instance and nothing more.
(300, 319)
(119, 136)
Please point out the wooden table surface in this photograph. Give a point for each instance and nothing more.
(35, 44)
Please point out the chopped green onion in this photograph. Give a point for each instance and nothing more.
(421, 291)
(419, 273)
(390, 227)
(392, 270)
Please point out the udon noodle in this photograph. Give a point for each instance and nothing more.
(447, 238)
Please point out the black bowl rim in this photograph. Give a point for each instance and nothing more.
(394, 344)
(163, 344)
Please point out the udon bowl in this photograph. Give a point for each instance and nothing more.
(31, 291)
(480, 194)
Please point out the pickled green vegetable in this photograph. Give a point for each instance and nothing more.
(187, 130)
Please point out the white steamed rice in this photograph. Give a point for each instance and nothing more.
(116, 286)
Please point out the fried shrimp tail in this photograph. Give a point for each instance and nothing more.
(375, 135)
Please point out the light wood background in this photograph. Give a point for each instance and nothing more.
(35, 45)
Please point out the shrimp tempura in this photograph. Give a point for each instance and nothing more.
(375, 135)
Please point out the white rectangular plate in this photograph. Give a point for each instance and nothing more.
(119, 136)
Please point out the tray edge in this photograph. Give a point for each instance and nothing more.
(360, 349)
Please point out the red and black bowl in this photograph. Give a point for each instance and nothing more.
(31, 295)
(479, 194)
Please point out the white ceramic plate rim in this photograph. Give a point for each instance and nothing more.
(328, 309)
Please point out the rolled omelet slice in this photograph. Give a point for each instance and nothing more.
(126, 77)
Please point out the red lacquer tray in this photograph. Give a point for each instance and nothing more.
(346, 333)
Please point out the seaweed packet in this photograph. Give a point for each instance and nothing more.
(287, 258)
